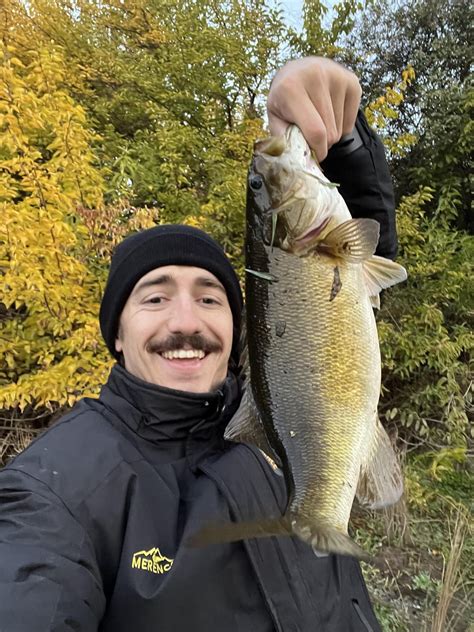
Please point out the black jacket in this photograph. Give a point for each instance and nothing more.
(95, 513)
(359, 165)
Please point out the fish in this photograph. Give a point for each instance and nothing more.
(312, 356)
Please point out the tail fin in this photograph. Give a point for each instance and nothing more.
(321, 538)
(330, 540)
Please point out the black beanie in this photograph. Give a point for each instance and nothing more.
(170, 244)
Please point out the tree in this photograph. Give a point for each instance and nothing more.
(324, 29)
(413, 61)
(435, 38)
(426, 331)
(426, 326)
(174, 90)
(129, 113)
(50, 346)
(105, 107)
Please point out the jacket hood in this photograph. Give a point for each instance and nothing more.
(158, 413)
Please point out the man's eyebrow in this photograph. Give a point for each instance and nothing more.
(208, 282)
(162, 279)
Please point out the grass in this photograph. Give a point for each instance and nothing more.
(452, 580)
(422, 575)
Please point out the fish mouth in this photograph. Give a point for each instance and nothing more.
(312, 233)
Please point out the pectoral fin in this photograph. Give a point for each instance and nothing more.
(375, 301)
(379, 274)
(354, 240)
(381, 480)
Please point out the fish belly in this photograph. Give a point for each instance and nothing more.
(315, 374)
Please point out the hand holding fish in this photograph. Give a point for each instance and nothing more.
(318, 95)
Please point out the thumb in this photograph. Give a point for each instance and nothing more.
(276, 125)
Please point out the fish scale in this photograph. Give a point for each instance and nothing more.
(312, 405)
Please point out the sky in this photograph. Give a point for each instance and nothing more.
(292, 9)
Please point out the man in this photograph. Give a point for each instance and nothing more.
(95, 514)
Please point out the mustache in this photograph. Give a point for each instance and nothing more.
(181, 341)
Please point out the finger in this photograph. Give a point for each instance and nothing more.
(305, 113)
(314, 130)
(329, 109)
(282, 100)
(338, 105)
(318, 123)
(351, 107)
(300, 110)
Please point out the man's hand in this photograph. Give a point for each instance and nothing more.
(317, 94)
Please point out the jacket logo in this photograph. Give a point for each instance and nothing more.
(152, 561)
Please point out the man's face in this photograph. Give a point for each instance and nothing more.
(176, 311)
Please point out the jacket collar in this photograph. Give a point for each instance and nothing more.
(159, 413)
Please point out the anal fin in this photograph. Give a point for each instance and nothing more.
(381, 480)
(321, 538)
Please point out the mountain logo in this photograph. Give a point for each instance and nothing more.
(152, 561)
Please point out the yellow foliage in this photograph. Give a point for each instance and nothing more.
(386, 107)
(175, 136)
(445, 460)
(54, 237)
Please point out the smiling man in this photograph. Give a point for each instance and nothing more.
(172, 325)
(95, 514)
(176, 329)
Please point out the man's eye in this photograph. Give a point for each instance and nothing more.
(209, 301)
(155, 300)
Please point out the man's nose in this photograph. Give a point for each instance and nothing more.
(184, 317)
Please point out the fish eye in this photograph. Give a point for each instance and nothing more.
(256, 182)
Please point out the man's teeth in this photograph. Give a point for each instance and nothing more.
(184, 353)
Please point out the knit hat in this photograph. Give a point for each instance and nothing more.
(170, 244)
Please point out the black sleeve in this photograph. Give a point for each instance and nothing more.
(49, 580)
(359, 165)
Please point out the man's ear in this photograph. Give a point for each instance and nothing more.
(118, 341)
